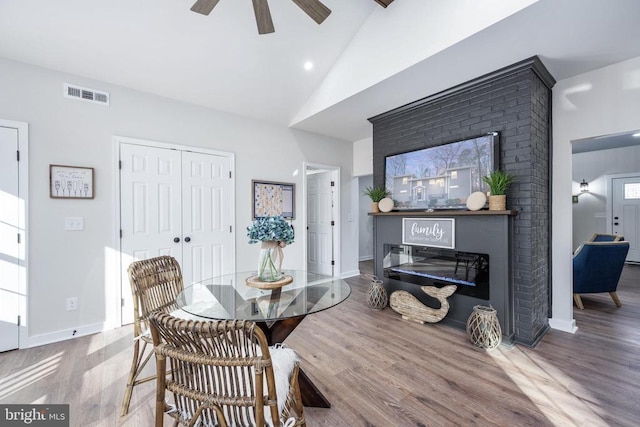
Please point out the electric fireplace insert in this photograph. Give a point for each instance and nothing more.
(438, 267)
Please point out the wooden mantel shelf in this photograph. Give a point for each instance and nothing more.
(444, 212)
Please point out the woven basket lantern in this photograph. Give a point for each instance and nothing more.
(483, 327)
(376, 294)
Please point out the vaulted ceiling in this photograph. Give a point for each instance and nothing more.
(315, 9)
(366, 59)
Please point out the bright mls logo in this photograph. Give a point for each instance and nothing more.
(34, 415)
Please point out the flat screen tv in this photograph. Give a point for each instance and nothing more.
(442, 176)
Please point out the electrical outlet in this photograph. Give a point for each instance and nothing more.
(74, 223)
(72, 304)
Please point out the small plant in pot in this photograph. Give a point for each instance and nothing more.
(498, 182)
(375, 194)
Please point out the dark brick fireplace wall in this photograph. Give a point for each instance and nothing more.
(516, 102)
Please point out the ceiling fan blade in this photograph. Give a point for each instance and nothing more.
(384, 3)
(316, 10)
(263, 16)
(204, 6)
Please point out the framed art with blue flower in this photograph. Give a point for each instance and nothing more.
(273, 199)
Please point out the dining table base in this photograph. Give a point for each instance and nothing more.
(276, 332)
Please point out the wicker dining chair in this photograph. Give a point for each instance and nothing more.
(155, 285)
(223, 373)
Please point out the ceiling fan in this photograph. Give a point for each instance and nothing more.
(314, 8)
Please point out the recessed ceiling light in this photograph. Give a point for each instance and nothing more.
(308, 65)
(636, 135)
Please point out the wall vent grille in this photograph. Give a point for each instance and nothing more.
(86, 94)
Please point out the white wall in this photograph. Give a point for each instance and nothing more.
(70, 132)
(363, 169)
(365, 220)
(363, 157)
(589, 213)
(601, 102)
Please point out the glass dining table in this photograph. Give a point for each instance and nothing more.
(276, 311)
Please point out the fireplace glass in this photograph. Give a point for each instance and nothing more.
(438, 267)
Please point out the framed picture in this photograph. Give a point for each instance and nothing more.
(273, 199)
(70, 182)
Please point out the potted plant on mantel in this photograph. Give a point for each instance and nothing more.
(376, 194)
(498, 182)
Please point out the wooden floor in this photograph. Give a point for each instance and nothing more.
(378, 370)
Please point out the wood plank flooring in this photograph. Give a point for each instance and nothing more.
(378, 370)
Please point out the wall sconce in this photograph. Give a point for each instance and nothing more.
(584, 186)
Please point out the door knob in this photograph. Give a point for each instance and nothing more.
(187, 239)
(176, 239)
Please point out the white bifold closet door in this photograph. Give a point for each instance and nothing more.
(175, 203)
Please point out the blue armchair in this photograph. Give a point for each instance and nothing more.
(597, 267)
(603, 237)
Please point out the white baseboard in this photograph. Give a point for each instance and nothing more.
(563, 325)
(62, 335)
(351, 273)
(365, 258)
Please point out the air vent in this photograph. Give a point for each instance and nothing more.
(86, 94)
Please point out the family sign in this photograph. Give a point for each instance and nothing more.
(435, 232)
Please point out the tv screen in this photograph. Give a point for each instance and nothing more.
(443, 176)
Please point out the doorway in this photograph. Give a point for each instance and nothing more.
(596, 162)
(13, 219)
(322, 208)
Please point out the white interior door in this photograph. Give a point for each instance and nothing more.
(319, 222)
(150, 209)
(9, 244)
(626, 213)
(208, 238)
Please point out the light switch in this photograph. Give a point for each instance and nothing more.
(74, 223)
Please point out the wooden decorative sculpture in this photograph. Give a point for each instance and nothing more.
(412, 309)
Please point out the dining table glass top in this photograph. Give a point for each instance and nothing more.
(228, 297)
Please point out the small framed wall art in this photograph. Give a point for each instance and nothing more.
(273, 199)
(70, 182)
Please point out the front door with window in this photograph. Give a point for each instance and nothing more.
(626, 213)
